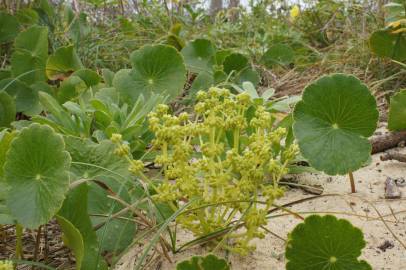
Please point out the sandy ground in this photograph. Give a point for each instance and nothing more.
(357, 208)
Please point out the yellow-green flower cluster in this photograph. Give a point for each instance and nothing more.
(6, 265)
(223, 158)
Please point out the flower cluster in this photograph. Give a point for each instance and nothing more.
(221, 159)
(6, 265)
(226, 159)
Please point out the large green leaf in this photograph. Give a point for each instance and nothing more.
(72, 238)
(210, 262)
(235, 62)
(71, 88)
(7, 109)
(325, 243)
(397, 111)
(332, 121)
(75, 210)
(156, 69)
(31, 51)
(90, 77)
(36, 170)
(26, 98)
(247, 75)
(62, 63)
(9, 27)
(27, 16)
(278, 54)
(202, 82)
(386, 44)
(199, 55)
(5, 141)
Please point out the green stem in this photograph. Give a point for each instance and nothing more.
(19, 242)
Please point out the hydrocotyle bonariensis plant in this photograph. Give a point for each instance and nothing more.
(333, 121)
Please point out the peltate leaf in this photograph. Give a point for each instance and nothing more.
(156, 69)
(62, 63)
(9, 27)
(199, 55)
(397, 111)
(386, 44)
(278, 54)
(332, 122)
(36, 170)
(325, 243)
(7, 109)
(210, 262)
(31, 51)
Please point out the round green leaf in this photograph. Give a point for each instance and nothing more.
(71, 88)
(27, 16)
(385, 44)
(30, 55)
(36, 170)
(62, 63)
(332, 121)
(9, 27)
(221, 56)
(235, 62)
(7, 109)
(210, 262)
(202, 82)
(247, 75)
(325, 243)
(156, 69)
(278, 54)
(199, 55)
(90, 77)
(26, 98)
(397, 111)
(72, 238)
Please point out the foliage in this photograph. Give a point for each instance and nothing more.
(391, 41)
(72, 239)
(325, 243)
(156, 69)
(9, 27)
(209, 262)
(37, 182)
(7, 109)
(215, 170)
(331, 128)
(31, 51)
(397, 111)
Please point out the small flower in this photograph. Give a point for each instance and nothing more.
(122, 150)
(294, 13)
(116, 138)
(136, 166)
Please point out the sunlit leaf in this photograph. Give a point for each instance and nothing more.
(332, 122)
(210, 262)
(397, 111)
(325, 243)
(31, 51)
(199, 55)
(36, 170)
(62, 63)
